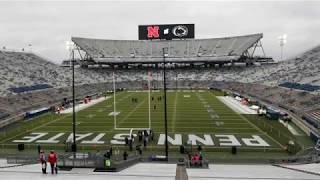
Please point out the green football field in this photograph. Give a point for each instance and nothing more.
(196, 115)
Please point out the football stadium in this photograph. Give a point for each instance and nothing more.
(167, 105)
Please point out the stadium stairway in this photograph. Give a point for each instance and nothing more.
(181, 173)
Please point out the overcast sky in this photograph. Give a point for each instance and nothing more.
(47, 25)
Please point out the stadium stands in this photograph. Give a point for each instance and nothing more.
(30, 88)
(3, 115)
(19, 70)
(304, 87)
(296, 100)
(197, 50)
(24, 69)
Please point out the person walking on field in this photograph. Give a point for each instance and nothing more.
(52, 158)
(43, 162)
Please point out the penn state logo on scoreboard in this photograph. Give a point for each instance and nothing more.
(180, 31)
(166, 31)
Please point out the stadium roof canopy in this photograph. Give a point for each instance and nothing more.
(176, 51)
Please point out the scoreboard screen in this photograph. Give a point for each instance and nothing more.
(166, 31)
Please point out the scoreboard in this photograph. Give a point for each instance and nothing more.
(166, 31)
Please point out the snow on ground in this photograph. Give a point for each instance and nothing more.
(241, 172)
(162, 171)
(313, 168)
(291, 128)
(114, 113)
(236, 105)
(80, 107)
(3, 163)
(141, 171)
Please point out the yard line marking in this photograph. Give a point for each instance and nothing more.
(122, 120)
(174, 114)
(19, 134)
(157, 132)
(132, 111)
(257, 128)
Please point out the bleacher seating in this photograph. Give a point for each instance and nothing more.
(24, 69)
(3, 115)
(312, 121)
(305, 87)
(178, 50)
(20, 70)
(29, 88)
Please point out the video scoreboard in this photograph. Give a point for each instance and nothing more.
(166, 31)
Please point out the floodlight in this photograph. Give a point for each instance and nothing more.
(284, 36)
(283, 41)
(69, 45)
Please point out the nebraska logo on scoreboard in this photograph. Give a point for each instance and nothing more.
(166, 31)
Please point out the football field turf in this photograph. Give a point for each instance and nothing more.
(196, 113)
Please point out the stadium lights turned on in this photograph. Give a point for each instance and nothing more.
(283, 41)
(69, 45)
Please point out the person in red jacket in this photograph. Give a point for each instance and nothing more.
(52, 159)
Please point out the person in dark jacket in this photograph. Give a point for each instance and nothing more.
(110, 151)
(42, 158)
(126, 140)
(125, 155)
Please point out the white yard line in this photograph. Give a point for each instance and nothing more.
(158, 132)
(132, 111)
(43, 125)
(290, 128)
(257, 128)
(174, 114)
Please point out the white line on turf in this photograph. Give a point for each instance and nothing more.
(45, 124)
(257, 128)
(174, 114)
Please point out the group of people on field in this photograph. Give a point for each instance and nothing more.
(195, 160)
(143, 137)
(51, 158)
(153, 100)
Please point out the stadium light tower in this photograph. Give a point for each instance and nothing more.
(30, 47)
(165, 54)
(70, 47)
(283, 41)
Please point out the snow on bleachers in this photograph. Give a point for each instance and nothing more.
(221, 171)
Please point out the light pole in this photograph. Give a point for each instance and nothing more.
(283, 41)
(30, 47)
(165, 54)
(70, 47)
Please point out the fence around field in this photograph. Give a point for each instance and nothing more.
(150, 149)
(11, 120)
(93, 160)
(80, 160)
(116, 163)
(22, 159)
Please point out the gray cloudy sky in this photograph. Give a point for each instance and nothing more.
(47, 25)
